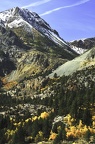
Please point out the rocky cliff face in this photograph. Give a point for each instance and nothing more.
(43, 87)
(31, 46)
(6, 64)
(11, 48)
(22, 18)
(84, 43)
(17, 17)
(24, 59)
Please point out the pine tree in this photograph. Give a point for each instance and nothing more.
(35, 128)
(87, 135)
(87, 118)
(19, 136)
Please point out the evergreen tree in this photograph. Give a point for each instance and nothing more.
(87, 117)
(19, 136)
(46, 128)
(87, 135)
(93, 97)
(57, 140)
(35, 128)
(74, 109)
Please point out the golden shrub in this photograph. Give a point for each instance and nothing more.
(52, 136)
(44, 115)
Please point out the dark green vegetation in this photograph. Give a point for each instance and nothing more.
(33, 106)
(67, 96)
(23, 102)
(13, 45)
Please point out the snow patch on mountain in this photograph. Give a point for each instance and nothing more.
(78, 50)
(82, 39)
(19, 23)
(17, 17)
(57, 39)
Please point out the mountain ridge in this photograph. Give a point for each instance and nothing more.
(17, 12)
(82, 45)
(34, 105)
(17, 17)
(83, 61)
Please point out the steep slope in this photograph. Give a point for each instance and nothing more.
(31, 44)
(8, 38)
(35, 106)
(85, 60)
(15, 55)
(2, 23)
(22, 18)
(6, 64)
(33, 64)
(11, 48)
(17, 17)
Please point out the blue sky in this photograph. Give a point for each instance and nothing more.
(73, 19)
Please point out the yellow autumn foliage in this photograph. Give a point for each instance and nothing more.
(44, 115)
(34, 118)
(80, 124)
(9, 133)
(11, 118)
(43, 89)
(9, 85)
(72, 130)
(93, 118)
(27, 120)
(17, 124)
(40, 133)
(79, 130)
(93, 123)
(39, 136)
(52, 136)
(69, 120)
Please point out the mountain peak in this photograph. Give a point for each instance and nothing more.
(15, 13)
(15, 10)
(20, 17)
